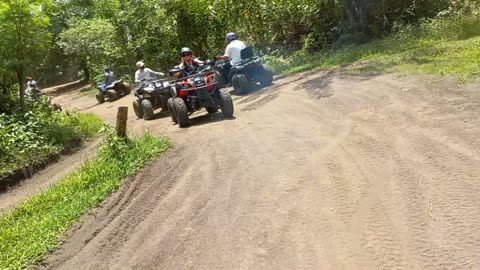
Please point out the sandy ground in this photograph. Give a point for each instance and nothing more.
(318, 171)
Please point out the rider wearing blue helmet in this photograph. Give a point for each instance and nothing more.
(232, 53)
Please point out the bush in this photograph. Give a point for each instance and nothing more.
(41, 131)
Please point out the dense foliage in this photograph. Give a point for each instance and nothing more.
(57, 41)
(29, 137)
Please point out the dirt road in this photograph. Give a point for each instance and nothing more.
(318, 171)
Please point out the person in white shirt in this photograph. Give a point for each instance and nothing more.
(232, 53)
(144, 74)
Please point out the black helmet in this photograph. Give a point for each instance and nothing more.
(185, 50)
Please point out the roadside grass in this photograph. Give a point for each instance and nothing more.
(30, 230)
(31, 136)
(444, 46)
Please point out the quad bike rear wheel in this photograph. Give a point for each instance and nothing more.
(181, 112)
(137, 110)
(112, 95)
(171, 110)
(125, 88)
(265, 75)
(147, 109)
(241, 84)
(227, 103)
(100, 97)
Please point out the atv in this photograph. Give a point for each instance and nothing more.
(34, 94)
(245, 75)
(151, 96)
(113, 91)
(196, 91)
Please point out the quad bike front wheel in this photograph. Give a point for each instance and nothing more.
(227, 103)
(220, 79)
(100, 97)
(265, 75)
(137, 110)
(112, 95)
(241, 84)
(181, 112)
(171, 110)
(147, 109)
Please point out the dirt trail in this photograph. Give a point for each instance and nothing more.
(327, 172)
(51, 174)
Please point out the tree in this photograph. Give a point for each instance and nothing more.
(92, 42)
(24, 30)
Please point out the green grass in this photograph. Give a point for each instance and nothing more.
(31, 137)
(33, 228)
(442, 46)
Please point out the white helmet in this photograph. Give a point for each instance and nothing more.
(32, 83)
(140, 64)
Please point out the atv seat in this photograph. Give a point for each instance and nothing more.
(246, 52)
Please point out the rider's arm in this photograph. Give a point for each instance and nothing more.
(154, 72)
(198, 61)
(228, 53)
(137, 79)
(158, 73)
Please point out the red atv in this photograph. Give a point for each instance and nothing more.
(195, 91)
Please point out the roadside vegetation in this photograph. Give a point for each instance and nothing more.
(32, 135)
(444, 46)
(30, 230)
(62, 41)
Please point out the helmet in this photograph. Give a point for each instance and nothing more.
(140, 64)
(231, 36)
(185, 50)
(32, 83)
(106, 69)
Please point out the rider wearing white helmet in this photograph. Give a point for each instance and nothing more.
(32, 90)
(145, 74)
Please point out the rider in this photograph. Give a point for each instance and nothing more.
(232, 53)
(109, 77)
(32, 91)
(145, 74)
(188, 63)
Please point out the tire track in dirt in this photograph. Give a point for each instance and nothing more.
(320, 172)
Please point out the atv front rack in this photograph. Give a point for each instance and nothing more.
(188, 83)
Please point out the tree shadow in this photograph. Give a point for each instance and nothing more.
(71, 87)
(319, 87)
(259, 97)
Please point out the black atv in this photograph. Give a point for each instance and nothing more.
(245, 75)
(196, 91)
(113, 91)
(151, 96)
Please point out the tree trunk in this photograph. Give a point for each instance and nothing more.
(19, 73)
